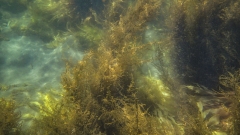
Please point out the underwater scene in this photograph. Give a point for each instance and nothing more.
(119, 67)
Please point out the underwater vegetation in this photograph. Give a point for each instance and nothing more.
(48, 19)
(190, 116)
(230, 81)
(206, 49)
(89, 36)
(205, 35)
(9, 119)
(103, 87)
(105, 78)
(55, 117)
(112, 90)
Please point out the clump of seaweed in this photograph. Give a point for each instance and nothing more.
(189, 114)
(155, 95)
(9, 119)
(44, 19)
(206, 26)
(101, 91)
(108, 76)
(204, 38)
(51, 11)
(48, 19)
(106, 92)
(60, 117)
(89, 35)
(230, 83)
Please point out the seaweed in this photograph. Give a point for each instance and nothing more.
(109, 92)
(190, 116)
(9, 118)
(230, 81)
(63, 116)
(107, 76)
(205, 41)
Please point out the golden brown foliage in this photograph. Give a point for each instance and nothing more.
(206, 46)
(107, 93)
(205, 42)
(113, 64)
(9, 119)
(190, 116)
(107, 76)
(129, 26)
(231, 82)
(63, 117)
